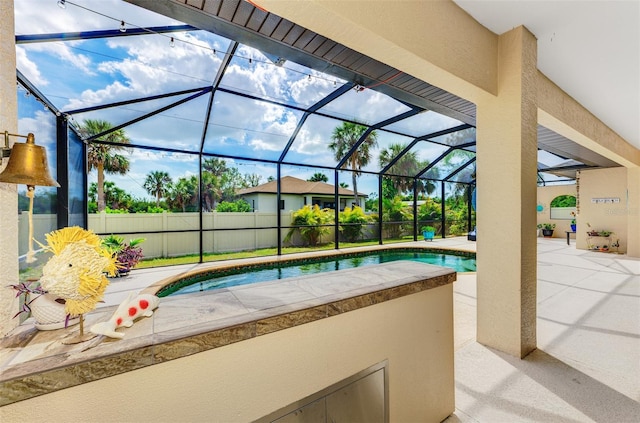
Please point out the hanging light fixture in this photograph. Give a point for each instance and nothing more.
(123, 28)
(27, 165)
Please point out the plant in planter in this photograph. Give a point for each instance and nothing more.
(127, 255)
(573, 221)
(592, 232)
(428, 232)
(547, 229)
(47, 310)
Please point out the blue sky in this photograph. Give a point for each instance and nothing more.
(83, 73)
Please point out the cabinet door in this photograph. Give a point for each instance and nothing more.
(359, 402)
(360, 398)
(310, 413)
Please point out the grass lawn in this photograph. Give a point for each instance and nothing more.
(208, 257)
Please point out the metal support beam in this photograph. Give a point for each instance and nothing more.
(62, 173)
(278, 212)
(216, 82)
(372, 128)
(148, 115)
(109, 33)
(443, 209)
(380, 208)
(415, 209)
(459, 169)
(336, 199)
(329, 98)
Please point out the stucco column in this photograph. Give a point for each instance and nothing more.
(633, 210)
(506, 172)
(8, 192)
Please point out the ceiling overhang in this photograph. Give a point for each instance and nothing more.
(284, 40)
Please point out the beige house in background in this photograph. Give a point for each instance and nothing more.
(296, 193)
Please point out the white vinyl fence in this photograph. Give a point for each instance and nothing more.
(227, 238)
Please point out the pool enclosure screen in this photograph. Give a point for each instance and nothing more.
(206, 138)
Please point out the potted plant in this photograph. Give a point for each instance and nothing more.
(573, 221)
(127, 254)
(547, 229)
(428, 232)
(47, 310)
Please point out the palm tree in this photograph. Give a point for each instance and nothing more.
(115, 198)
(213, 174)
(408, 165)
(157, 183)
(318, 177)
(453, 161)
(211, 190)
(344, 137)
(252, 179)
(102, 157)
(183, 193)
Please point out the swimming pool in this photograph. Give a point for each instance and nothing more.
(242, 275)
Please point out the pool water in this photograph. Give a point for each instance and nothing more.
(275, 271)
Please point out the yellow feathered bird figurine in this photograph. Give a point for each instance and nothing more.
(76, 271)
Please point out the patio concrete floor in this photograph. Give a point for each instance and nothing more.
(586, 367)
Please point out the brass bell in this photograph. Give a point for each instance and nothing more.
(27, 164)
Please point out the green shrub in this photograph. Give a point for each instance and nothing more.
(238, 206)
(352, 220)
(393, 213)
(309, 221)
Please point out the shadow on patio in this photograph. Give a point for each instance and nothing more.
(587, 367)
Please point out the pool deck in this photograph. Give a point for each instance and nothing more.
(38, 362)
(586, 367)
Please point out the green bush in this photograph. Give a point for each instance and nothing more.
(238, 206)
(429, 210)
(309, 221)
(352, 220)
(394, 212)
(564, 201)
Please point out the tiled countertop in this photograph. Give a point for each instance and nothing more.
(36, 362)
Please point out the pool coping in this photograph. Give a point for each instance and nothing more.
(303, 258)
(36, 362)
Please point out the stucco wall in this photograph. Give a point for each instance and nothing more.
(250, 379)
(603, 184)
(8, 192)
(545, 197)
(432, 40)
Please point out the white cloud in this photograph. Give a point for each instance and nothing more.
(44, 16)
(65, 53)
(365, 106)
(153, 68)
(29, 68)
(42, 125)
(311, 90)
(91, 98)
